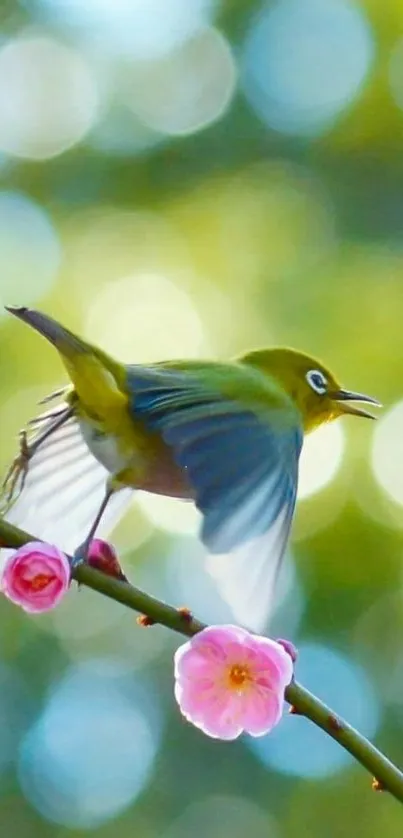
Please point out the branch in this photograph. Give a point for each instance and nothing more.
(387, 776)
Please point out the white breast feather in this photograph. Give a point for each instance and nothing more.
(104, 448)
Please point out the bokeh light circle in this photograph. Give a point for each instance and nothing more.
(140, 29)
(170, 514)
(187, 90)
(387, 452)
(48, 97)
(304, 62)
(120, 133)
(270, 219)
(104, 244)
(383, 618)
(321, 457)
(223, 816)
(90, 753)
(145, 317)
(188, 581)
(396, 73)
(15, 707)
(301, 749)
(30, 251)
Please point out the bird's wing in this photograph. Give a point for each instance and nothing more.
(63, 489)
(244, 471)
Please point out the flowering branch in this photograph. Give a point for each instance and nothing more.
(386, 775)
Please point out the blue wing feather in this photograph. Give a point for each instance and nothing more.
(243, 470)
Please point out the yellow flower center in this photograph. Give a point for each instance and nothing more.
(238, 675)
(39, 582)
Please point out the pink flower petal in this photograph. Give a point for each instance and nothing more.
(261, 712)
(216, 713)
(218, 638)
(37, 565)
(102, 555)
(227, 681)
(194, 663)
(272, 660)
(194, 700)
(36, 577)
(223, 720)
(210, 644)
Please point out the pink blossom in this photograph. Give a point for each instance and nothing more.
(36, 577)
(102, 555)
(228, 681)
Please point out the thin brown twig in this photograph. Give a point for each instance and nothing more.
(386, 775)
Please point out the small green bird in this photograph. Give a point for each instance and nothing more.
(225, 435)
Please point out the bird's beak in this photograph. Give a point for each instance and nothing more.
(344, 397)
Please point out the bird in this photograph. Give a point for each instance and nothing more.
(225, 435)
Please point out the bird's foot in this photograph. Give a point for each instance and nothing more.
(80, 555)
(17, 472)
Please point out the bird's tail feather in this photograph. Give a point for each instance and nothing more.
(65, 341)
(96, 377)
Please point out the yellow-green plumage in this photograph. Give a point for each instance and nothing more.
(226, 435)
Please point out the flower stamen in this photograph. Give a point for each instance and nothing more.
(238, 675)
(39, 582)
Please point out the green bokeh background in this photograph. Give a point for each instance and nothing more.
(270, 239)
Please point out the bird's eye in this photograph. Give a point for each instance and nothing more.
(317, 381)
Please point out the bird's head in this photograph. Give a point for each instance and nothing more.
(314, 389)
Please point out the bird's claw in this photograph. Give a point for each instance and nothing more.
(79, 556)
(18, 470)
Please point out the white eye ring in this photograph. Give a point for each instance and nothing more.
(317, 381)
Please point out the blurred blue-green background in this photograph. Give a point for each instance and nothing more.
(195, 178)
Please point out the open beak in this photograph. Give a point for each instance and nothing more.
(344, 397)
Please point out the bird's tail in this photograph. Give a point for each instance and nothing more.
(97, 378)
(65, 341)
